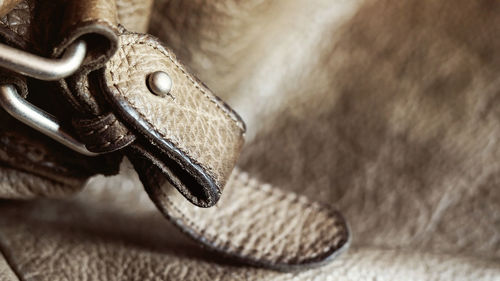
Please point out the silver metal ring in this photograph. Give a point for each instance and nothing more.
(38, 119)
(43, 68)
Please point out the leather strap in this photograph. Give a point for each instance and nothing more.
(32, 164)
(134, 14)
(7, 5)
(188, 139)
(257, 223)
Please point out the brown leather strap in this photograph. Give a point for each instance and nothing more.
(195, 137)
(189, 138)
(257, 223)
(103, 133)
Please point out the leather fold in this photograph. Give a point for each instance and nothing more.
(32, 164)
(183, 145)
(190, 135)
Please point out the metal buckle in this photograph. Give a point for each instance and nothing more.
(43, 69)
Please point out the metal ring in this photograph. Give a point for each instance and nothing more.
(38, 119)
(40, 67)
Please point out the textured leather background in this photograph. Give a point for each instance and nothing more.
(134, 14)
(259, 223)
(386, 108)
(7, 5)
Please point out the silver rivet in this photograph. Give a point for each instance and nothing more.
(159, 83)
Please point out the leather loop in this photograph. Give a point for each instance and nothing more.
(103, 134)
(189, 139)
(190, 135)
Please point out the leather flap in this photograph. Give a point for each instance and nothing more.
(190, 134)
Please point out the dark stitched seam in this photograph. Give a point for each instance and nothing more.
(229, 246)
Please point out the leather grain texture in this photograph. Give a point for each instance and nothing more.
(7, 5)
(259, 224)
(134, 15)
(6, 273)
(400, 119)
(191, 125)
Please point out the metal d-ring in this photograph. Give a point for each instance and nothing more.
(43, 68)
(38, 119)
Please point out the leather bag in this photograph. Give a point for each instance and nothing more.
(131, 97)
(383, 108)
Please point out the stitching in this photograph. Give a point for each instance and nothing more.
(106, 144)
(10, 262)
(228, 244)
(208, 170)
(103, 129)
(179, 67)
(141, 41)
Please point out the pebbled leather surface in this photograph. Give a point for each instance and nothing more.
(6, 273)
(423, 202)
(140, 245)
(259, 224)
(190, 125)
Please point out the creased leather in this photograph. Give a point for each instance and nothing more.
(206, 151)
(89, 17)
(135, 245)
(95, 22)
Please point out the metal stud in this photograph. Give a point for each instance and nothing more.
(159, 83)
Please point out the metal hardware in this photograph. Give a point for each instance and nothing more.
(43, 68)
(38, 119)
(159, 83)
